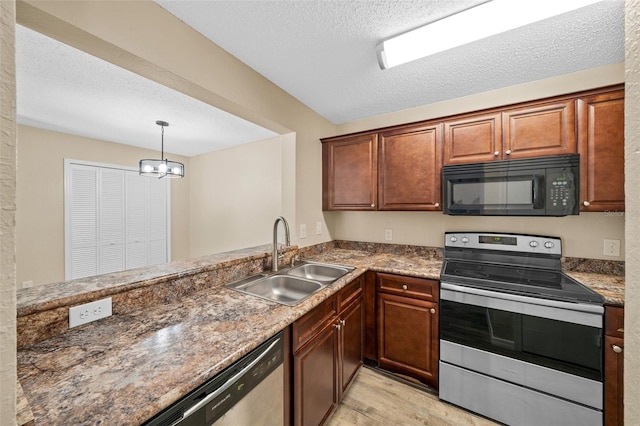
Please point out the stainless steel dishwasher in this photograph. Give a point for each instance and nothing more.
(249, 392)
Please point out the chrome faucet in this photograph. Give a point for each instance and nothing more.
(275, 255)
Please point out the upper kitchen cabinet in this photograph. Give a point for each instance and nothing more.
(530, 130)
(394, 169)
(409, 165)
(539, 130)
(601, 148)
(472, 139)
(350, 172)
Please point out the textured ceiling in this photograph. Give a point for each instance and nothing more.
(64, 89)
(320, 51)
(323, 52)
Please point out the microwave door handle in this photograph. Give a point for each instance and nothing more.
(538, 188)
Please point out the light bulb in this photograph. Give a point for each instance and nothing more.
(175, 170)
(148, 168)
(162, 168)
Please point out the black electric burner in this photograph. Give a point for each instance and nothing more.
(516, 264)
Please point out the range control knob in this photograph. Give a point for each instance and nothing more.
(533, 244)
(549, 244)
(465, 240)
(453, 239)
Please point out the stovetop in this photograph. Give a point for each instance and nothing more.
(512, 263)
(547, 284)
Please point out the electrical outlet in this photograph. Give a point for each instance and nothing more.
(318, 228)
(89, 312)
(388, 234)
(27, 284)
(303, 231)
(611, 248)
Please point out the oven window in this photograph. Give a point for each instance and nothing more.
(489, 192)
(572, 348)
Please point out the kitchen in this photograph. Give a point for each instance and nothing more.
(350, 226)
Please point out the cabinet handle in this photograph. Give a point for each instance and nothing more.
(585, 203)
(373, 205)
(337, 326)
(343, 323)
(496, 153)
(617, 349)
(432, 310)
(437, 204)
(508, 152)
(404, 287)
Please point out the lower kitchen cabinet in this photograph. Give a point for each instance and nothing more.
(408, 326)
(613, 366)
(328, 348)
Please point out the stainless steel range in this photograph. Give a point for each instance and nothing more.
(520, 341)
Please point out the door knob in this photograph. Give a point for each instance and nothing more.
(404, 286)
(508, 152)
(496, 153)
(585, 203)
(432, 310)
(617, 349)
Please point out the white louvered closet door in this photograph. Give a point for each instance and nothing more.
(111, 219)
(136, 225)
(82, 211)
(115, 219)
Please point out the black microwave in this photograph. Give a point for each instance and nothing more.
(541, 186)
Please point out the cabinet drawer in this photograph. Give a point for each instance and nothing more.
(614, 321)
(418, 288)
(313, 322)
(351, 292)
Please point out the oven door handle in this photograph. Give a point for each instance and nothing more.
(577, 313)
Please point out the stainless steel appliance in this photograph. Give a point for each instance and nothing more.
(250, 392)
(520, 341)
(543, 186)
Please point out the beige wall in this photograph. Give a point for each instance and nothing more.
(235, 196)
(632, 191)
(40, 198)
(423, 228)
(7, 215)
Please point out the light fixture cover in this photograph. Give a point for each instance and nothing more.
(162, 167)
(482, 21)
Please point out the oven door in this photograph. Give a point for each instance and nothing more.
(561, 336)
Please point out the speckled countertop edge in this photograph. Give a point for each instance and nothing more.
(124, 369)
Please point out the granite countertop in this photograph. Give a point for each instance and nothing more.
(126, 368)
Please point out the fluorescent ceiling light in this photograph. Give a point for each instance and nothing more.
(473, 24)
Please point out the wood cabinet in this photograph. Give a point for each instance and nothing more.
(409, 166)
(328, 348)
(601, 148)
(408, 326)
(613, 366)
(398, 169)
(473, 139)
(532, 130)
(350, 173)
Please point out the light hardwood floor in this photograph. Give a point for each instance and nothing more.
(375, 399)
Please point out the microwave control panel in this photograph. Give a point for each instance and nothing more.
(561, 191)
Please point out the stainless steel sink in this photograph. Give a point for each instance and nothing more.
(291, 286)
(319, 272)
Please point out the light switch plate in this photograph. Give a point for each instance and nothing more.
(318, 228)
(89, 312)
(303, 231)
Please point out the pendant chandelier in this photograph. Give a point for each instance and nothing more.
(162, 167)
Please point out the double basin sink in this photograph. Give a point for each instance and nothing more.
(290, 286)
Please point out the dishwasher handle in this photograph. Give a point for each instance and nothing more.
(227, 384)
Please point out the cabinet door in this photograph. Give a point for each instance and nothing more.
(315, 385)
(351, 342)
(601, 148)
(613, 366)
(409, 165)
(473, 139)
(532, 131)
(408, 337)
(349, 175)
